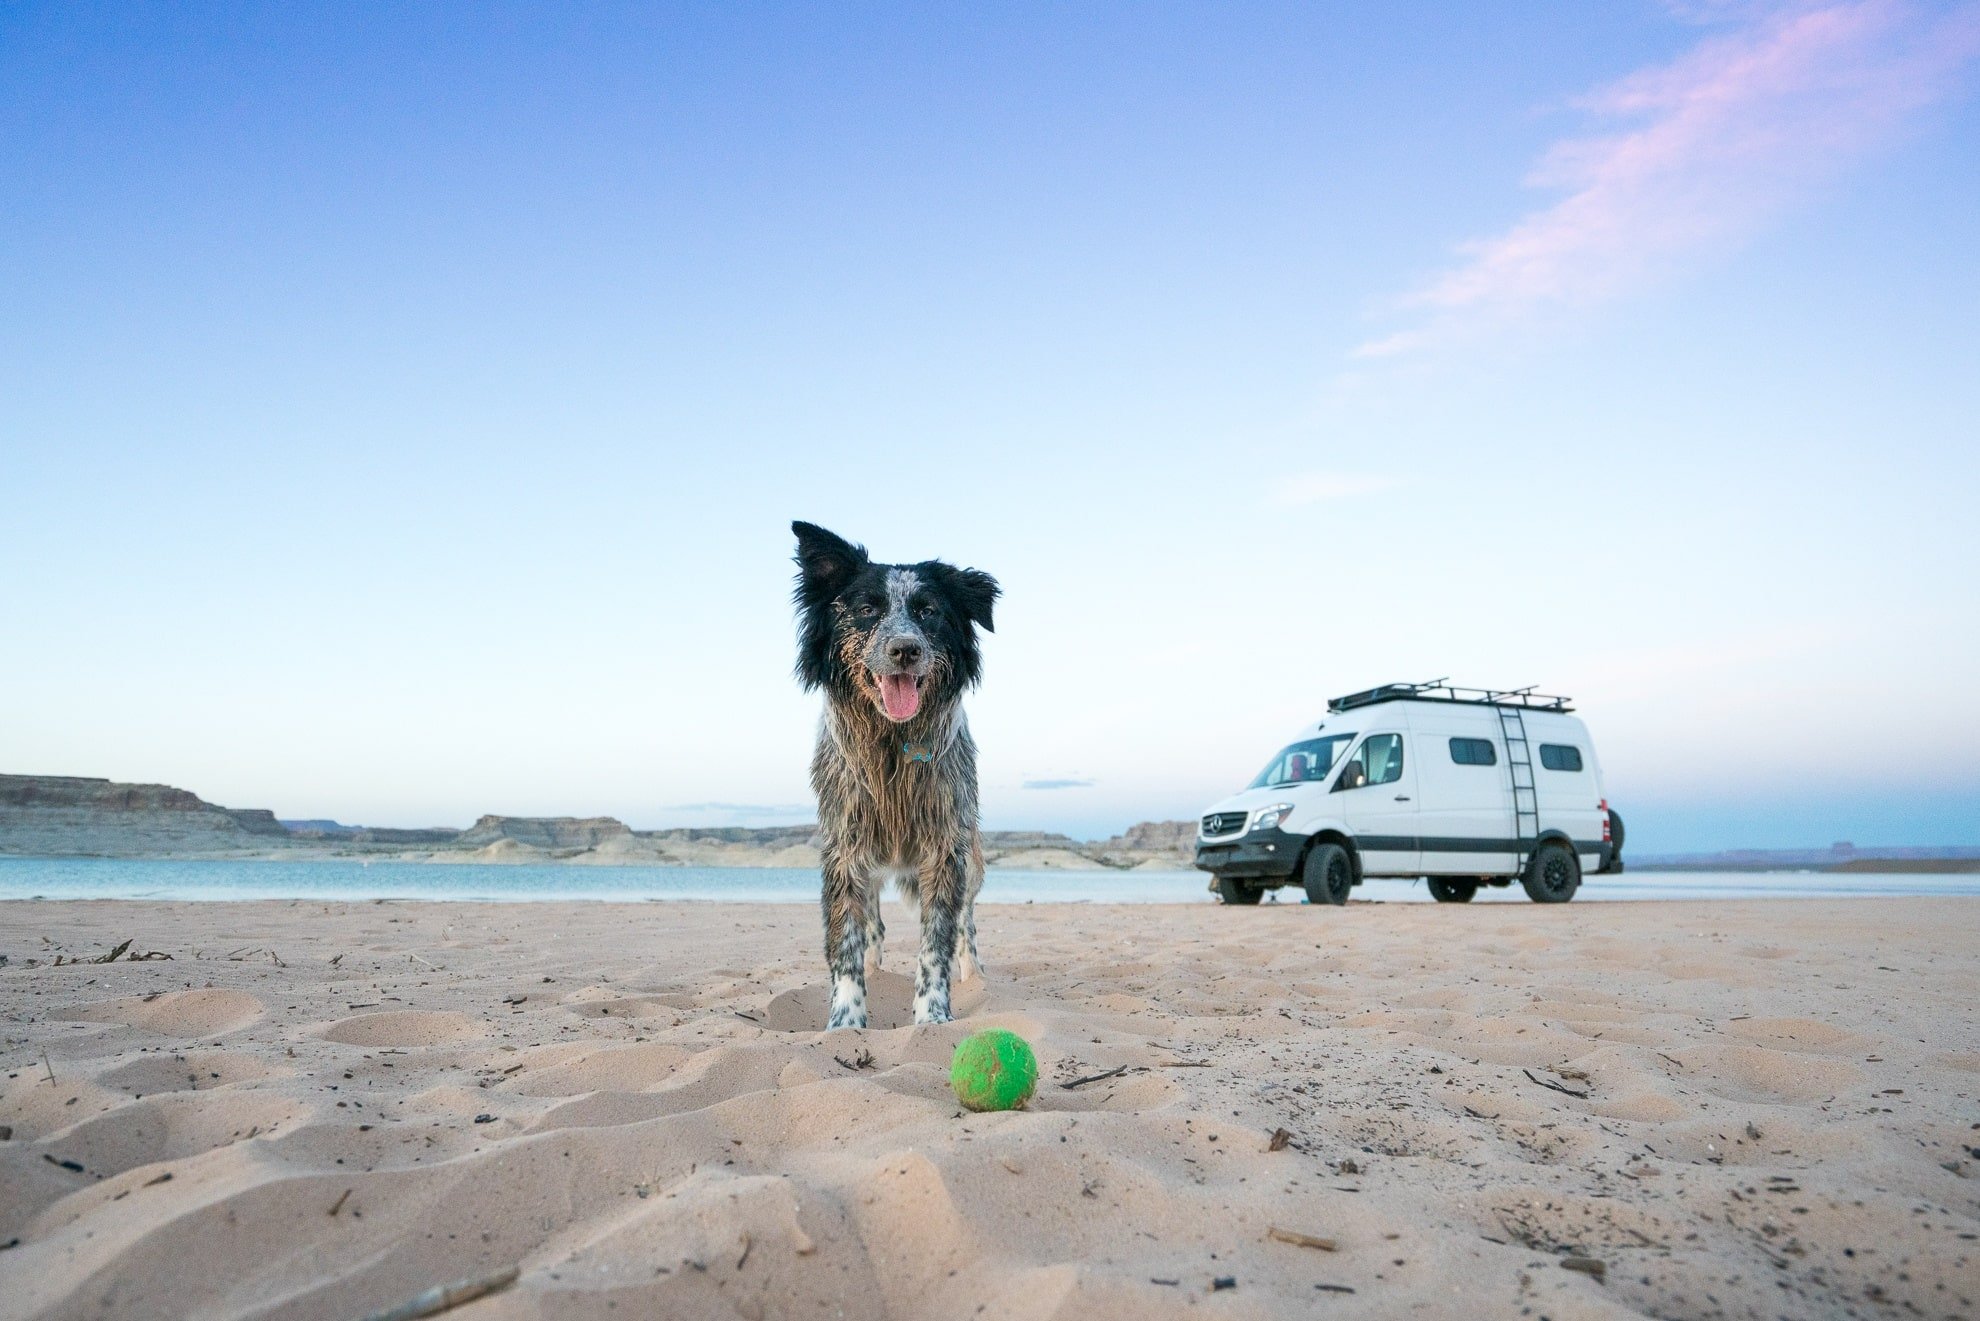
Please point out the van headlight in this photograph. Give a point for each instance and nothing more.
(1267, 817)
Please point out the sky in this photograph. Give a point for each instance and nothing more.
(402, 408)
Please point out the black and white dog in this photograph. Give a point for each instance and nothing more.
(894, 647)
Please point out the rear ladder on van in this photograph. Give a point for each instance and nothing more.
(1526, 801)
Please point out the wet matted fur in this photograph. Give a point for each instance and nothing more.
(894, 647)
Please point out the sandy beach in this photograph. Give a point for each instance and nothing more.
(1753, 1109)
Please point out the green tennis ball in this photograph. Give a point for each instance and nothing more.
(993, 1070)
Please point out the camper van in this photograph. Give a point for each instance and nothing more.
(1462, 786)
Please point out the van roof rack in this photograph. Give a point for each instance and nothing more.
(1442, 690)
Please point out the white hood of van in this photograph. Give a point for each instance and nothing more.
(1251, 799)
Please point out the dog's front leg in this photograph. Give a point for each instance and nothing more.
(942, 897)
(876, 936)
(845, 901)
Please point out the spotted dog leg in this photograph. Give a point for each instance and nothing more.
(876, 937)
(845, 904)
(968, 965)
(941, 924)
(968, 962)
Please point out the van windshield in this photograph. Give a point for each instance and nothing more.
(1310, 759)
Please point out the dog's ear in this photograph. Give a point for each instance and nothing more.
(977, 591)
(826, 563)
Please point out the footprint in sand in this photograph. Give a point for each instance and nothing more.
(612, 1068)
(606, 1002)
(203, 1013)
(171, 1126)
(1755, 1073)
(1803, 1035)
(195, 1071)
(889, 1004)
(405, 1027)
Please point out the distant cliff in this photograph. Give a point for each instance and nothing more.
(71, 816)
(57, 816)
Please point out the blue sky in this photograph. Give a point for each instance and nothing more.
(402, 408)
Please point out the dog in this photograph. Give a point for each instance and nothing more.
(894, 648)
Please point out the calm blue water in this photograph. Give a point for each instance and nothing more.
(109, 878)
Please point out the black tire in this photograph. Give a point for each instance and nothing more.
(1237, 892)
(1615, 839)
(1328, 874)
(1552, 874)
(1447, 890)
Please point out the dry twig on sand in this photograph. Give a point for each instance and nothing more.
(1556, 1087)
(1097, 1077)
(445, 1297)
(1299, 1240)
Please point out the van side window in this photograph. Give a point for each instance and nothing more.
(1379, 760)
(1473, 752)
(1560, 757)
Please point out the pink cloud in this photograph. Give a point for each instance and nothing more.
(1723, 138)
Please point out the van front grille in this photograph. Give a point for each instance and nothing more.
(1222, 823)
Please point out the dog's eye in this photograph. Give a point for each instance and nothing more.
(866, 610)
(924, 612)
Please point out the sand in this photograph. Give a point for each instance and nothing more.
(319, 1110)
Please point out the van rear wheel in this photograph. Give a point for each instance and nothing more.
(1552, 874)
(1237, 892)
(1328, 874)
(1447, 891)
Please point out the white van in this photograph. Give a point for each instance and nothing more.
(1463, 786)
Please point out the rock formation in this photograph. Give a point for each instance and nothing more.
(58, 816)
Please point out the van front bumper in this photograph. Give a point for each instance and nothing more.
(1260, 855)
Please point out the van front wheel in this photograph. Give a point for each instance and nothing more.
(1446, 891)
(1553, 874)
(1237, 892)
(1329, 874)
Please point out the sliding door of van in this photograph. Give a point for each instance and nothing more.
(1376, 790)
(1467, 799)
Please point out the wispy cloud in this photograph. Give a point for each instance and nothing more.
(1308, 488)
(1725, 137)
(1073, 783)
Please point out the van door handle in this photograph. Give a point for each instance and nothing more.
(1402, 798)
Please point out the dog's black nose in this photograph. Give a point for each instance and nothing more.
(904, 652)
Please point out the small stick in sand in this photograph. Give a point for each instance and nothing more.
(1300, 1240)
(46, 1065)
(1098, 1077)
(1281, 1139)
(1587, 1266)
(338, 1205)
(445, 1297)
(1556, 1087)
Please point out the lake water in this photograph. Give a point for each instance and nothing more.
(111, 878)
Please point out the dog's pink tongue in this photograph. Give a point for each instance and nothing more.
(899, 695)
